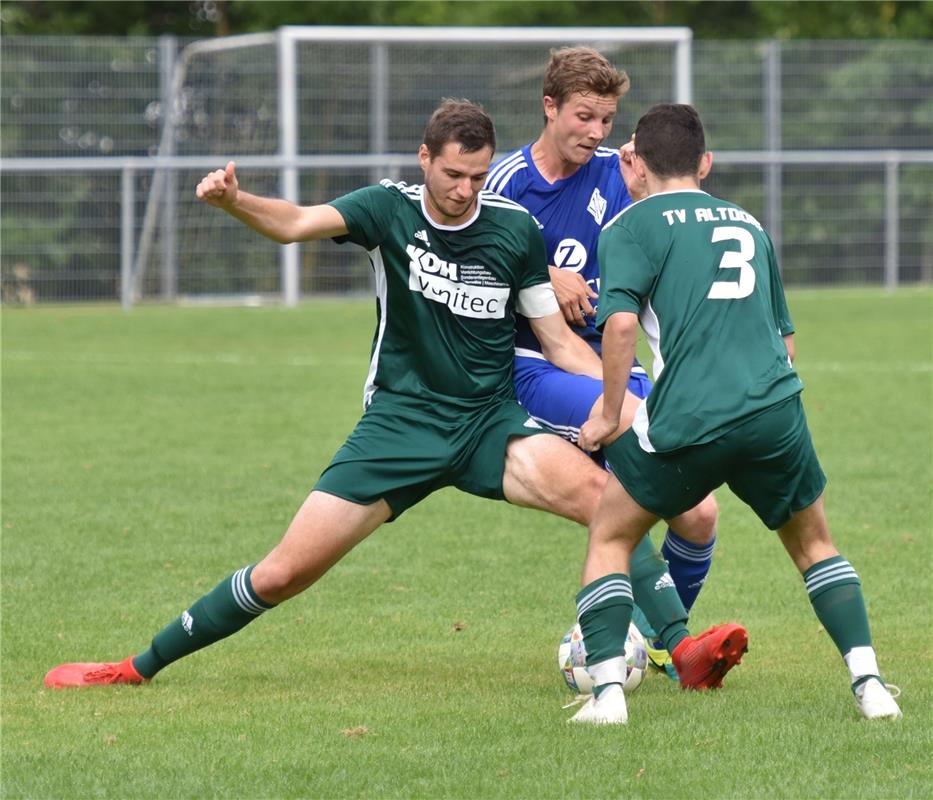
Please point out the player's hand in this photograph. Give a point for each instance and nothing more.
(219, 188)
(573, 295)
(595, 431)
(637, 187)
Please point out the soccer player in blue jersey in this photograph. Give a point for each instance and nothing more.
(572, 185)
(700, 275)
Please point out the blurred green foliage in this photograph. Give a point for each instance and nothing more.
(711, 19)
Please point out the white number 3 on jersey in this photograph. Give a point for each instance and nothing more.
(735, 290)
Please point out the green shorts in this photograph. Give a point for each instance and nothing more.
(768, 460)
(403, 449)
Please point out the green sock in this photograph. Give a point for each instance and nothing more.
(656, 595)
(222, 611)
(836, 595)
(604, 610)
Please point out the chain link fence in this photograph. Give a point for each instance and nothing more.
(103, 140)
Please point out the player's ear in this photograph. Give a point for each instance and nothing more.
(641, 169)
(706, 164)
(424, 157)
(550, 108)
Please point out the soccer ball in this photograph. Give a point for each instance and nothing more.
(571, 659)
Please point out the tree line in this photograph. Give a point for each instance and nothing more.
(709, 19)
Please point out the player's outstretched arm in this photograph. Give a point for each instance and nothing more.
(563, 348)
(276, 219)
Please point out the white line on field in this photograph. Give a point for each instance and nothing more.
(842, 366)
(241, 360)
(182, 359)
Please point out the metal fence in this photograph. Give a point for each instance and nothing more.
(103, 140)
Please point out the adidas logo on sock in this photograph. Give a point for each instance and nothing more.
(664, 582)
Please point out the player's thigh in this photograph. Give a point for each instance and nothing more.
(549, 473)
(779, 472)
(504, 446)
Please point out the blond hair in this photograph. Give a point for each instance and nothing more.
(582, 69)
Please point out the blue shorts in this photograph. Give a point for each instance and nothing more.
(560, 400)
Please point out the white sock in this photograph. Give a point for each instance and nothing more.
(861, 661)
(612, 670)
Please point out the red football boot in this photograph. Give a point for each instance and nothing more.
(702, 662)
(66, 675)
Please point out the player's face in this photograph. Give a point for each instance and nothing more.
(580, 125)
(452, 180)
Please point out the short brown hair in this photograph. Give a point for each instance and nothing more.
(462, 122)
(582, 69)
(669, 138)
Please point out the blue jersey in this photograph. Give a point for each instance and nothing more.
(571, 213)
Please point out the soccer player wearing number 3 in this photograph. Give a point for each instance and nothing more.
(453, 265)
(572, 186)
(700, 275)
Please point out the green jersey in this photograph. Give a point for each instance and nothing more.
(446, 295)
(702, 276)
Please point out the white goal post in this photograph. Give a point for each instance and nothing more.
(681, 38)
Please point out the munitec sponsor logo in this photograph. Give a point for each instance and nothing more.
(439, 280)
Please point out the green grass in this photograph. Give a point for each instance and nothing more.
(147, 455)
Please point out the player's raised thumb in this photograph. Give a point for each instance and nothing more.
(230, 170)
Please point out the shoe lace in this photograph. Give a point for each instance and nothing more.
(894, 690)
(580, 698)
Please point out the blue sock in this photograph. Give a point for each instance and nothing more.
(688, 564)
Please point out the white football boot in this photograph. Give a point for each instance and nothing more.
(875, 701)
(607, 709)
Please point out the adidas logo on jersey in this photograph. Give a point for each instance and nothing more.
(423, 236)
(597, 206)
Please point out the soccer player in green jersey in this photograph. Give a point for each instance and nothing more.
(453, 266)
(700, 275)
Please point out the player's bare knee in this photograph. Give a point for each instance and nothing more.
(590, 492)
(698, 525)
(707, 517)
(275, 580)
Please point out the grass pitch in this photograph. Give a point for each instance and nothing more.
(147, 455)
